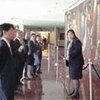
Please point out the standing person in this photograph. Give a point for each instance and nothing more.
(20, 54)
(33, 51)
(76, 62)
(30, 56)
(6, 62)
(24, 76)
(44, 42)
(38, 38)
(36, 51)
(15, 66)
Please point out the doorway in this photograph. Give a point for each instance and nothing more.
(45, 37)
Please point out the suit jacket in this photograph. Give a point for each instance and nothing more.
(6, 69)
(33, 47)
(75, 53)
(40, 50)
(4, 54)
(19, 55)
(30, 52)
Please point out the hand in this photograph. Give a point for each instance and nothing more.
(37, 51)
(29, 53)
(67, 58)
(20, 48)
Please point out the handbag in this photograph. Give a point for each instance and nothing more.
(67, 63)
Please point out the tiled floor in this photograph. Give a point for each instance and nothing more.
(45, 86)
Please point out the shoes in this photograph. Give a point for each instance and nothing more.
(74, 95)
(21, 83)
(18, 93)
(71, 93)
(34, 76)
(39, 72)
(28, 78)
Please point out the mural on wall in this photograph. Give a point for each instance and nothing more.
(90, 36)
(89, 28)
(97, 57)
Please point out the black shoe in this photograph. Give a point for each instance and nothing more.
(39, 72)
(35, 75)
(20, 83)
(71, 93)
(74, 95)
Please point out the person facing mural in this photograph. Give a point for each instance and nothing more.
(76, 62)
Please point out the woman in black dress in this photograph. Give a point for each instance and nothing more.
(76, 62)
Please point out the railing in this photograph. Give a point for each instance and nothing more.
(60, 68)
(66, 81)
(48, 57)
(51, 56)
(63, 75)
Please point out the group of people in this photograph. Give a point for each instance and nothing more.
(35, 54)
(17, 54)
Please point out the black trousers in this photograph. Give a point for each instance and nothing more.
(34, 70)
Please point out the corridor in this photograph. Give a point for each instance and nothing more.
(48, 30)
(45, 87)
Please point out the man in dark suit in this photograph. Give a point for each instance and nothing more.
(38, 38)
(20, 54)
(6, 61)
(33, 54)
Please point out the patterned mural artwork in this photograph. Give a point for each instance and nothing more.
(90, 36)
(85, 20)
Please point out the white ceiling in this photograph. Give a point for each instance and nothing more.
(34, 12)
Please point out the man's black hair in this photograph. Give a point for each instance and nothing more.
(5, 27)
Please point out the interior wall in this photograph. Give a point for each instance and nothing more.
(61, 37)
(54, 33)
(87, 18)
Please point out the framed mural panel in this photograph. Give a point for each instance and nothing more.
(87, 18)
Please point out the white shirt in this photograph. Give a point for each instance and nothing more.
(17, 38)
(8, 44)
(69, 45)
(21, 41)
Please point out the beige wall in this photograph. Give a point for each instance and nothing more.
(54, 34)
(52, 38)
(60, 42)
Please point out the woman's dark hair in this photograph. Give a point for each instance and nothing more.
(75, 37)
(72, 31)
